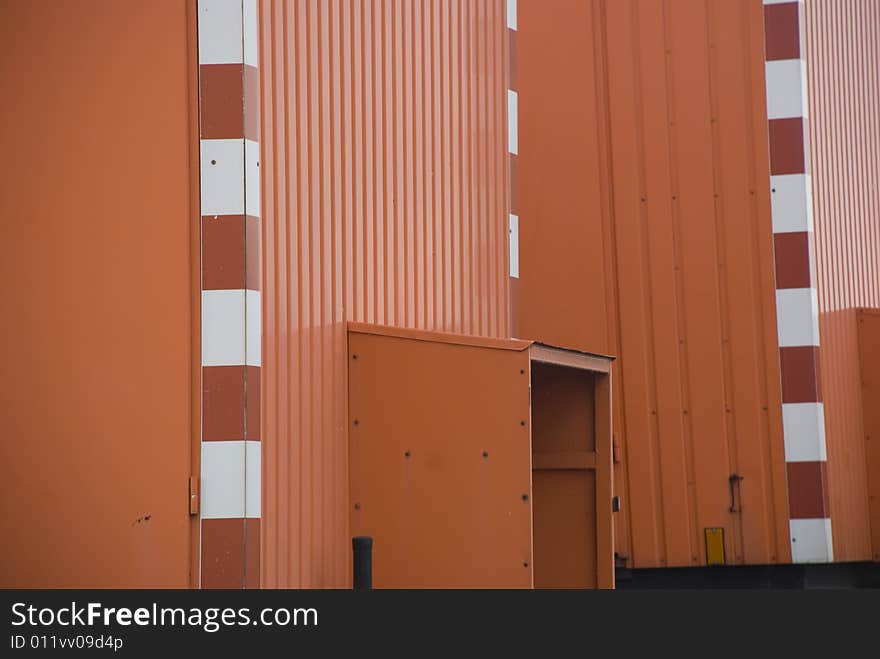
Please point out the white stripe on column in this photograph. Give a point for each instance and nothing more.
(231, 479)
(513, 242)
(253, 328)
(253, 479)
(220, 32)
(786, 87)
(512, 123)
(223, 479)
(230, 176)
(511, 14)
(797, 317)
(251, 33)
(803, 426)
(223, 328)
(811, 541)
(231, 328)
(252, 177)
(223, 185)
(791, 201)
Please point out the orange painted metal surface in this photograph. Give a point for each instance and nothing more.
(440, 454)
(565, 528)
(98, 203)
(571, 461)
(384, 192)
(479, 462)
(843, 79)
(645, 232)
(869, 361)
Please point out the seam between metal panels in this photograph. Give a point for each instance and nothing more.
(647, 296)
(722, 275)
(680, 297)
(758, 290)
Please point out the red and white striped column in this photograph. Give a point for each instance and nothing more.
(797, 306)
(230, 270)
(512, 165)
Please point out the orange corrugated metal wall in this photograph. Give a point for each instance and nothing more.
(384, 197)
(843, 73)
(645, 232)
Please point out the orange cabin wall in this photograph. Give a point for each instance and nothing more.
(98, 260)
(384, 201)
(843, 74)
(869, 352)
(645, 232)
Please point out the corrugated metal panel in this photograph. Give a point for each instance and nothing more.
(843, 69)
(645, 232)
(384, 202)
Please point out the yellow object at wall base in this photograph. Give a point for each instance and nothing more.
(714, 546)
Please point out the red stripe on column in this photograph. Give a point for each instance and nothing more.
(514, 306)
(782, 33)
(230, 252)
(225, 392)
(800, 374)
(807, 490)
(513, 183)
(792, 252)
(226, 91)
(512, 73)
(252, 553)
(788, 153)
(222, 553)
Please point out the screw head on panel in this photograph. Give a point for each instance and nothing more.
(485, 454)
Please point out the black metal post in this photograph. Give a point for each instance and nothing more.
(363, 562)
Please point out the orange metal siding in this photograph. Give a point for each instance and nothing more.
(384, 192)
(99, 204)
(441, 458)
(645, 232)
(843, 71)
(869, 359)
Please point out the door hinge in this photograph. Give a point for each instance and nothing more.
(193, 495)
